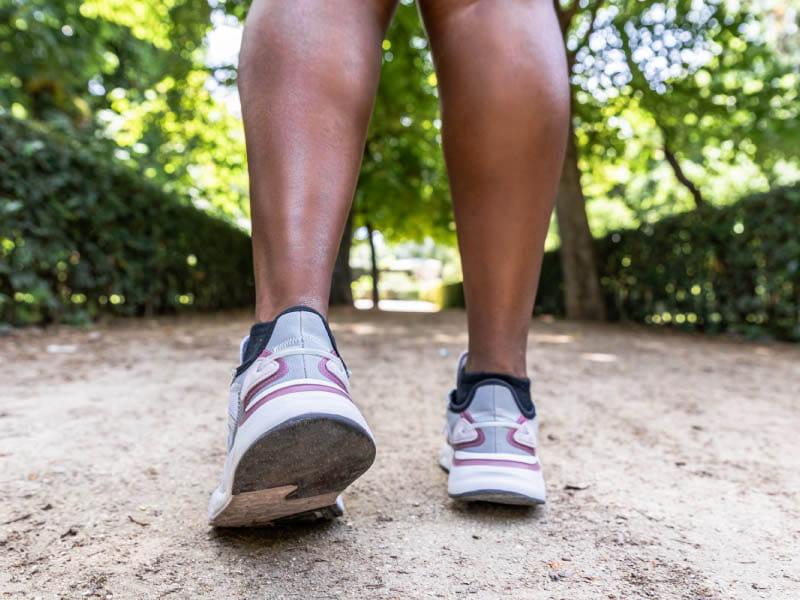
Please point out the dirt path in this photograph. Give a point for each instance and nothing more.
(673, 465)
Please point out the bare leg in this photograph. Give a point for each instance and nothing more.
(505, 106)
(307, 78)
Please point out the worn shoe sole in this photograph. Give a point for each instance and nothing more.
(297, 469)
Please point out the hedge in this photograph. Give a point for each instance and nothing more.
(729, 269)
(82, 236)
(734, 269)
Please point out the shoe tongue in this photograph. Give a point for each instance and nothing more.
(300, 328)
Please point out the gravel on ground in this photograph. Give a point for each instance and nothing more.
(672, 460)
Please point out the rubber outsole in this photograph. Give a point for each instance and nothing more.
(495, 496)
(326, 513)
(498, 497)
(298, 470)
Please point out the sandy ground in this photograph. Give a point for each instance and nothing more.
(673, 465)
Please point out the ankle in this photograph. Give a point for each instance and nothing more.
(495, 364)
(268, 310)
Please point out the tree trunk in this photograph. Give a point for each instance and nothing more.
(583, 295)
(374, 272)
(341, 292)
(681, 176)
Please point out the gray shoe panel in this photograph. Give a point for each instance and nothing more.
(294, 329)
(300, 329)
(492, 402)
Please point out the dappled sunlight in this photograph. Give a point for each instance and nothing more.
(363, 328)
(549, 338)
(599, 357)
(358, 328)
(414, 306)
(445, 338)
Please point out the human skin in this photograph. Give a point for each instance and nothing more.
(308, 76)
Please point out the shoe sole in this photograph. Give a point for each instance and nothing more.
(297, 469)
(496, 484)
(498, 497)
(325, 513)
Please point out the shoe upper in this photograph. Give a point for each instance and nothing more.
(294, 352)
(491, 414)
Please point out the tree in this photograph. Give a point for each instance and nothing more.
(680, 175)
(341, 292)
(583, 296)
(402, 188)
(127, 78)
(670, 99)
(701, 72)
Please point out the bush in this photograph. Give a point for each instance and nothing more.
(450, 295)
(734, 268)
(82, 236)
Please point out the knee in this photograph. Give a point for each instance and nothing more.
(279, 46)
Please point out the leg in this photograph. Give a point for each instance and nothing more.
(308, 76)
(505, 107)
(309, 71)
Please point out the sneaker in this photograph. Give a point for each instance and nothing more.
(295, 440)
(490, 448)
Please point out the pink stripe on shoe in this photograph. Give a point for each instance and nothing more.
(512, 440)
(330, 375)
(291, 389)
(481, 437)
(283, 369)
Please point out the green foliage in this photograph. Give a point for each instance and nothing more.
(716, 80)
(51, 52)
(734, 269)
(708, 78)
(450, 295)
(402, 188)
(80, 237)
(127, 77)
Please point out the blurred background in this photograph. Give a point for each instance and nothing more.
(123, 185)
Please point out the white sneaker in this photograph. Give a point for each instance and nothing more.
(295, 440)
(490, 449)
